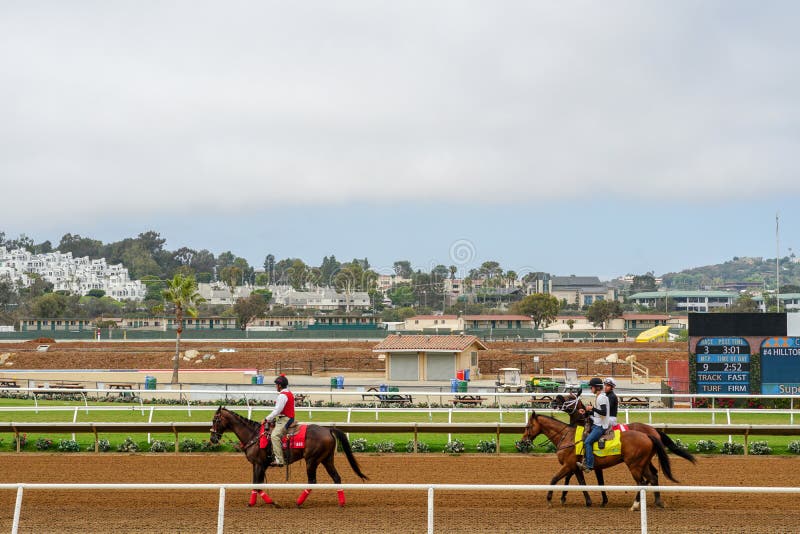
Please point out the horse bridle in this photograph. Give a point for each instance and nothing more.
(216, 434)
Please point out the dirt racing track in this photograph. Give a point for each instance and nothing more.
(398, 511)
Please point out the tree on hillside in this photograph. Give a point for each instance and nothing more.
(247, 309)
(402, 268)
(182, 296)
(402, 295)
(744, 304)
(642, 283)
(602, 311)
(542, 308)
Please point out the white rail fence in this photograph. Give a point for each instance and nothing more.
(430, 489)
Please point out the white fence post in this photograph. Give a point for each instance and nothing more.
(221, 511)
(430, 510)
(643, 508)
(17, 511)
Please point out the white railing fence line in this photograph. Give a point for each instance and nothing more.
(429, 488)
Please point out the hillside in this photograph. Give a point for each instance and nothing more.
(737, 270)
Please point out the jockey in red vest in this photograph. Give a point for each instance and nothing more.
(283, 415)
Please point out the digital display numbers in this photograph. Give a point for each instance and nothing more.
(723, 365)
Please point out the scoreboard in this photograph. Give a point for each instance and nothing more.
(780, 366)
(723, 365)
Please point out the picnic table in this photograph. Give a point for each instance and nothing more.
(60, 384)
(541, 402)
(120, 388)
(470, 400)
(387, 397)
(6, 383)
(633, 401)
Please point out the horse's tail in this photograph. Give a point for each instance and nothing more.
(671, 445)
(342, 437)
(663, 458)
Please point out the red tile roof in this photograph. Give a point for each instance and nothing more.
(405, 343)
(428, 317)
(497, 318)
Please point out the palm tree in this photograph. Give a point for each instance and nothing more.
(181, 293)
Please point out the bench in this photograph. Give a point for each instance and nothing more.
(59, 384)
(387, 397)
(633, 401)
(541, 402)
(8, 384)
(123, 389)
(470, 400)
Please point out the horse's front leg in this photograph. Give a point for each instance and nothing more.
(564, 471)
(601, 482)
(564, 493)
(259, 469)
(582, 482)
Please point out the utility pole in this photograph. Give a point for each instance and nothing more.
(777, 264)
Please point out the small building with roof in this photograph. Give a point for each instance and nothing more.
(688, 301)
(428, 357)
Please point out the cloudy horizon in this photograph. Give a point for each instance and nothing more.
(602, 137)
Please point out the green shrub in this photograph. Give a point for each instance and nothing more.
(189, 445)
(523, 445)
(68, 445)
(207, 446)
(103, 445)
(358, 445)
(760, 448)
(486, 446)
(706, 445)
(794, 447)
(43, 444)
(384, 446)
(454, 447)
(128, 446)
(732, 448)
(421, 446)
(159, 445)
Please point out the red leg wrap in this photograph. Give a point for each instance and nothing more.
(303, 496)
(266, 497)
(340, 495)
(253, 498)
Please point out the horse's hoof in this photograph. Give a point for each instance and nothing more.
(660, 504)
(549, 504)
(635, 507)
(588, 505)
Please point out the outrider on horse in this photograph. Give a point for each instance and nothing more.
(572, 405)
(319, 448)
(637, 452)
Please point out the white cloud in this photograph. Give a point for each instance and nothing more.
(132, 107)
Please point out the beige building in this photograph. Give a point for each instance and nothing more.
(421, 357)
(580, 290)
(432, 323)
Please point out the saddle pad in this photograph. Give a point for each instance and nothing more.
(621, 427)
(296, 440)
(612, 448)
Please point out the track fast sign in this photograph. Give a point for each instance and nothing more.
(723, 365)
(780, 366)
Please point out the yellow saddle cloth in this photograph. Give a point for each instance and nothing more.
(612, 447)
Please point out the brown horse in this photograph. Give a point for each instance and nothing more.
(572, 405)
(637, 451)
(320, 447)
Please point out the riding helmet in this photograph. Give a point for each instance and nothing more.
(595, 382)
(610, 382)
(284, 383)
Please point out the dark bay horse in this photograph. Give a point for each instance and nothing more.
(320, 447)
(572, 405)
(637, 451)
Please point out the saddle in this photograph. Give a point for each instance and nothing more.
(607, 435)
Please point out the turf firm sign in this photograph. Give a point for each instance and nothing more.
(780, 366)
(723, 365)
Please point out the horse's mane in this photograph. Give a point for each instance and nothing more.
(537, 415)
(255, 425)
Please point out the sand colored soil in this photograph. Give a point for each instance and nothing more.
(321, 355)
(392, 512)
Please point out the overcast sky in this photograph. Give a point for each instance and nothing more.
(574, 137)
